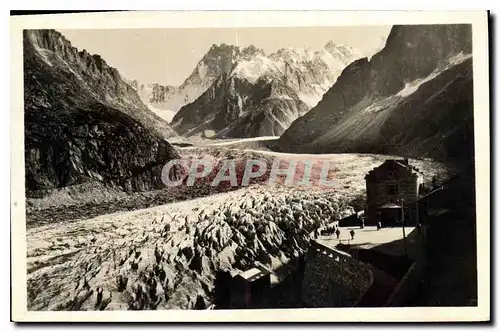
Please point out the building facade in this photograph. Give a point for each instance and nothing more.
(389, 186)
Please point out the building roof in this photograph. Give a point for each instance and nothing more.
(394, 166)
(413, 168)
(253, 274)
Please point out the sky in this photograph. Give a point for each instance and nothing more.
(168, 56)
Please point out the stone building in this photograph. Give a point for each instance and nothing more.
(389, 186)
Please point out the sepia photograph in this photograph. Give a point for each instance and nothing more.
(181, 167)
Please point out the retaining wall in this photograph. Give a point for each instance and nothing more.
(333, 278)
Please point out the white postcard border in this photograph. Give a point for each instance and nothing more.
(213, 19)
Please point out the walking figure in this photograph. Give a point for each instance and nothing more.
(352, 234)
(379, 225)
(338, 233)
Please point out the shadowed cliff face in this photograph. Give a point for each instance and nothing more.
(413, 97)
(267, 112)
(233, 107)
(415, 51)
(84, 123)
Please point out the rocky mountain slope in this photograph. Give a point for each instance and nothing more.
(414, 97)
(233, 107)
(262, 95)
(84, 123)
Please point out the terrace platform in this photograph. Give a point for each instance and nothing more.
(388, 241)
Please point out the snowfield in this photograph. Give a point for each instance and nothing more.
(165, 114)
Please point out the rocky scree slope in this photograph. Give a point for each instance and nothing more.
(84, 123)
(413, 98)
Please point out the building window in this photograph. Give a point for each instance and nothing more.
(392, 189)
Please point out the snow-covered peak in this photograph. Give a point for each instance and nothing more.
(220, 49)
(295, 54)
(230, 53)
(301, 60)
(254, 68)
(341, 51)
(311, 72)
(251, 50)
